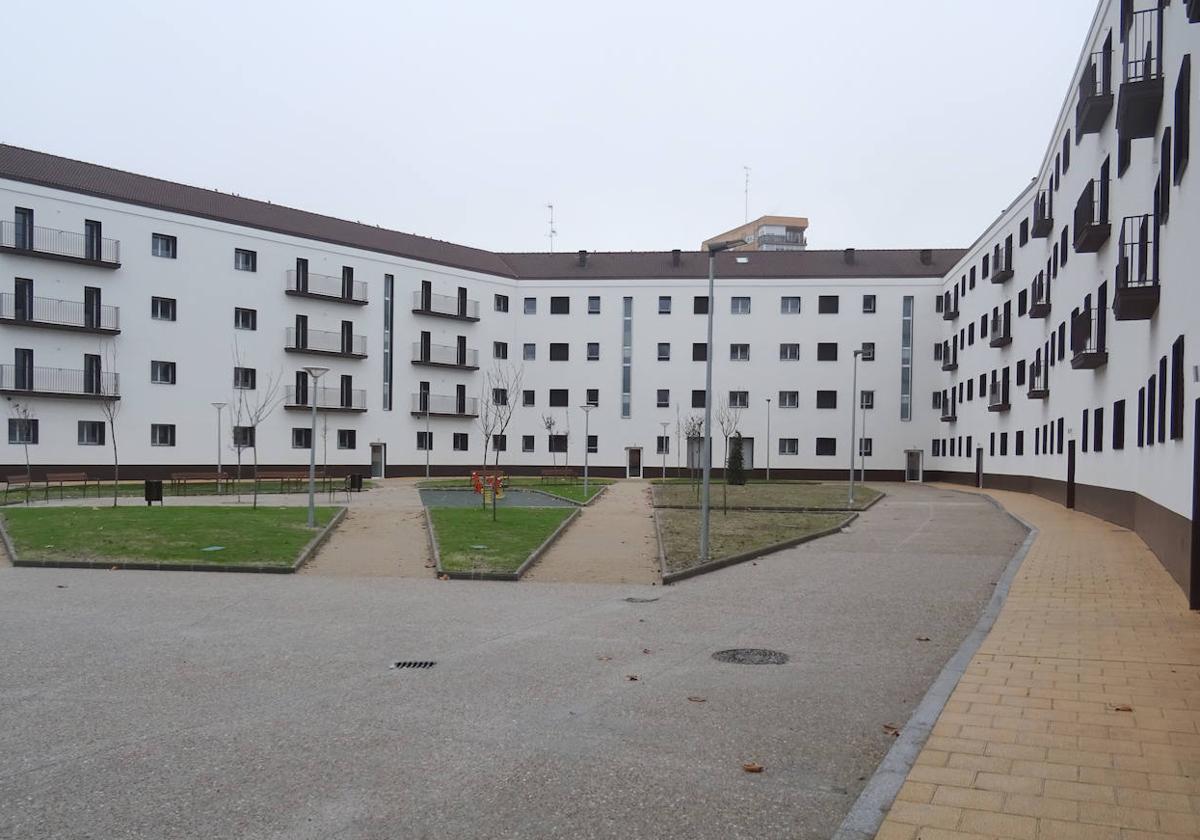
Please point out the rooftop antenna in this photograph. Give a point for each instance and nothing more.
(553, 233)
(747, 198)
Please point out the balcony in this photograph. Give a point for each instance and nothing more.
(324, 287)
(1088, 350)
(1193, 11)
(328, 399)
(443, 355)
(1092, 227)
(949, 415)
(950, 310)
(441, 405)
(444, 306)
(782, 241)
(1095, 93)
(1043, 215)
(64, 245)
(1001, 335)
(1039, 296)
(949, 361)
(1140, 98)
(1002, 270)
(998, 398)
(59, 382)
(326, 343)
(51, 314)
(1039, 383)
(1136, 297)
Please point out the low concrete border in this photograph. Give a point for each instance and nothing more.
(733, 559)
(501, 576)
(662, 549)
(780, 508)
(873, 804)
(303, 557)
(552, 495)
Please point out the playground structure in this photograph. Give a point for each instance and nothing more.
(490, 486)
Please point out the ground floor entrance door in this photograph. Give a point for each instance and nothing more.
(912, 465)
(378, 459)
(633, 464)
(747, 454)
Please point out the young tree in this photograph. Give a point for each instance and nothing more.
(506, 379)
(24, 415)
(693, 429)
(549, 423)
(488, 399)
(110, 405)
(250, 407)
(728, 417)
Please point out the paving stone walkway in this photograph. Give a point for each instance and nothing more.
(1079, 717)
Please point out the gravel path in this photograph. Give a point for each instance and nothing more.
(383, 535)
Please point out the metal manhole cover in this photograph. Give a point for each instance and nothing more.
(414, 664)
(633, 600)
(751, 656)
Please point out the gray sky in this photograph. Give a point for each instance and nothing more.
(888, 124)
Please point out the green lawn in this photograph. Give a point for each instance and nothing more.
(735, 533)
(136, 488)
(266, 535)
(469, 541)
(567, 489)
(760, 494)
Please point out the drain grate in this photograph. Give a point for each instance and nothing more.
(633, 600)
(751, 656)
(414, 664)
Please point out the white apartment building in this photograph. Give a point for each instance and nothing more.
(1050, 356)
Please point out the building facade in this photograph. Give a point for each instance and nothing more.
(1050, 356)
(767, 233)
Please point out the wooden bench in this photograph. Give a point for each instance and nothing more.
(286, 478)
(181, 479)
(63, 478)
(16, 482)
(560, 472)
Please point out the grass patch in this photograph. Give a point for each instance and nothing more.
(135, 489)
(270, 536)
(469, 541)
(567, 489)
(760, 494)
(736, 533)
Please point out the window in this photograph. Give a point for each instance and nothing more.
(789, 352)
(500, 303)
(1019, 443)
(826, 399)
(664, 398)
(461, 441)
(869, 304)
(527, 398)
(594, 305)
(864, 447)
(1118, 428)
(937, 399)
(593, 396)
(559, 352)
(789, 446)
(500, 443)
(866, 400)
(664, 304)
(559, 397)
(1183, 117)
(243, 437)
(789, 305)
(245, 319)
(662, 445)
(529, 352)
(162, 309)
(697, 399)
(163, 434)
(162, 373)
(244, 378)
(424, 441)
(626, 357)
(868, 351)
(700, 305)
(826, 446)
(389, 316)
(557, 443)
(530, 306)
(560, 306)
(827, 351)
(664, 351)
(499, 396)
(91, 432)
(163, 246)
(739, 306)
(499, 349)
(699, 352)
(739, 399)
(1098, 430)
(593, 351)
(739, 352)
(1023, 235)
(789, 399)
(593, 444)
(827, 304)
(244, 260)
(347, 439)
(22, 430)
(526, 443)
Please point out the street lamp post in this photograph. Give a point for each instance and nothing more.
(315, 372)
(853, 417)
(428, 439)
(664, 424)
(218, 406)
(587, 413)
(768, 439)
(713, 248)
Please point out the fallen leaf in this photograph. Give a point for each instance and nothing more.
(1122, 708)
(443, 577)
(922, 638)
(645, 650)
(696, 699)
(891, 729)
(604, 658)
(632, 677)
(752, 767)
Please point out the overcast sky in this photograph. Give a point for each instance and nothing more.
(888, 124)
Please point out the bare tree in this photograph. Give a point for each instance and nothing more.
(549, 423)
(24, 415)
(728, 417)
(110, 405)
(487, 419)
(693, 429)
(249, 407)
(504, 379)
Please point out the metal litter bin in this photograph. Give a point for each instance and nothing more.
(154, 492)
(356, 482)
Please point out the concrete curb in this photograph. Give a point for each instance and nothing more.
(431, 535)
(733, 559)
(303, 557)
(784, 509)
(552, 495)
(499, 576)
(662, 551)
(873, 804)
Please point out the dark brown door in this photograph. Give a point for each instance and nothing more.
(635, 463)
(1070, 473)
(979, 466)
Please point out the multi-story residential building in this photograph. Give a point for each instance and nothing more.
(1050, 356)
(767, 233)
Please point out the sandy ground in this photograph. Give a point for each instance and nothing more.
(383, 534)
(612, 541)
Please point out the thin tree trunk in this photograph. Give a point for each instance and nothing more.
(28, 470)
(255, 502)
(116, 462)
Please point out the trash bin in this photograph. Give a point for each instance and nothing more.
(356, 481)
(154, 492)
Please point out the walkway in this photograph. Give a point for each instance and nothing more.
(383, 534)
(1079, 715)
(612, 541)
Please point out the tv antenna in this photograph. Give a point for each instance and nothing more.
(553, 233)
(747, 194)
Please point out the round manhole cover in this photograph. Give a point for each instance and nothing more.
(751, 656)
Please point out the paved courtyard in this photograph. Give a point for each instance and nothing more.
(191, 705)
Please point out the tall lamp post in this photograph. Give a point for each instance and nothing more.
(428, 439)
(587, 413)
(768, 439)
(853, 417)
(218, 406)
(315, 372)
(713, 249)
(664, 424)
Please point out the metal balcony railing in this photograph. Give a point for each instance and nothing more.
(997, 398)
(60, 381)
(797, 241)
(59, 313)
(445, 404)
(1039, 381)
(1088, 346)
(1142, 57)
(325, 286)
(351, 399)
(998, 331)
(1137, 263)
(60, 243)
(1096, 79)
(1043, 215)
(326, 341)
(1091, 216)
(444, 354)
(446, 306)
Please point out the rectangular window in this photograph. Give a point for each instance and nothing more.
(347, 439)
(826, 399)
(626, 357)
(700, 305)
(868, 351)
(739, 399)
(739, 306)
(557, 443)
(389, 297)
(1019, 443)
(594, 305)
(424, 441)
(698, 399)
(163, 434)
(163, 246)
(663, 398)
(162, 308)
(244, 260)
(739, 352)
(1118, 428)
(593, 396)
(789, 352)
(500, 303)
(827, 304)
(1183, 117)
(865, 446)
(593, 351)
(530, 306)
(461, 441)
(1098, 430)
(827, 351)
(1162, 400)
(500, 443)
(869, 304)
(91, 432)
(243, 437)
(593, 444)
(662, 445)
(245, 378)
(789, 446)
(1085, 438)
(1177, 385)
(560, 305)
(526, 443)
(162, 373)
(906, 357)
(499, 349)
(699, 352)
(826, 446)
(559, 397)
(789, 305)
(1023, 235)
(500, 396)
(866, 400)
(664, 305)
(245, 319)
(529, 352)
(789, 399)
(527, 397)
(559, 352)
(1141, 417)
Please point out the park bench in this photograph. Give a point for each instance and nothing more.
(292, 478)
(181, 479)
(16, 482)
(559, 472)
(64, 478)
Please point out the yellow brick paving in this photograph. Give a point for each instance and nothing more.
(1079, 717)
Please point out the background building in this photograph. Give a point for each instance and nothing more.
(767, 233)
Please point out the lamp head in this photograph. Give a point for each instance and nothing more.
(725, 245)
